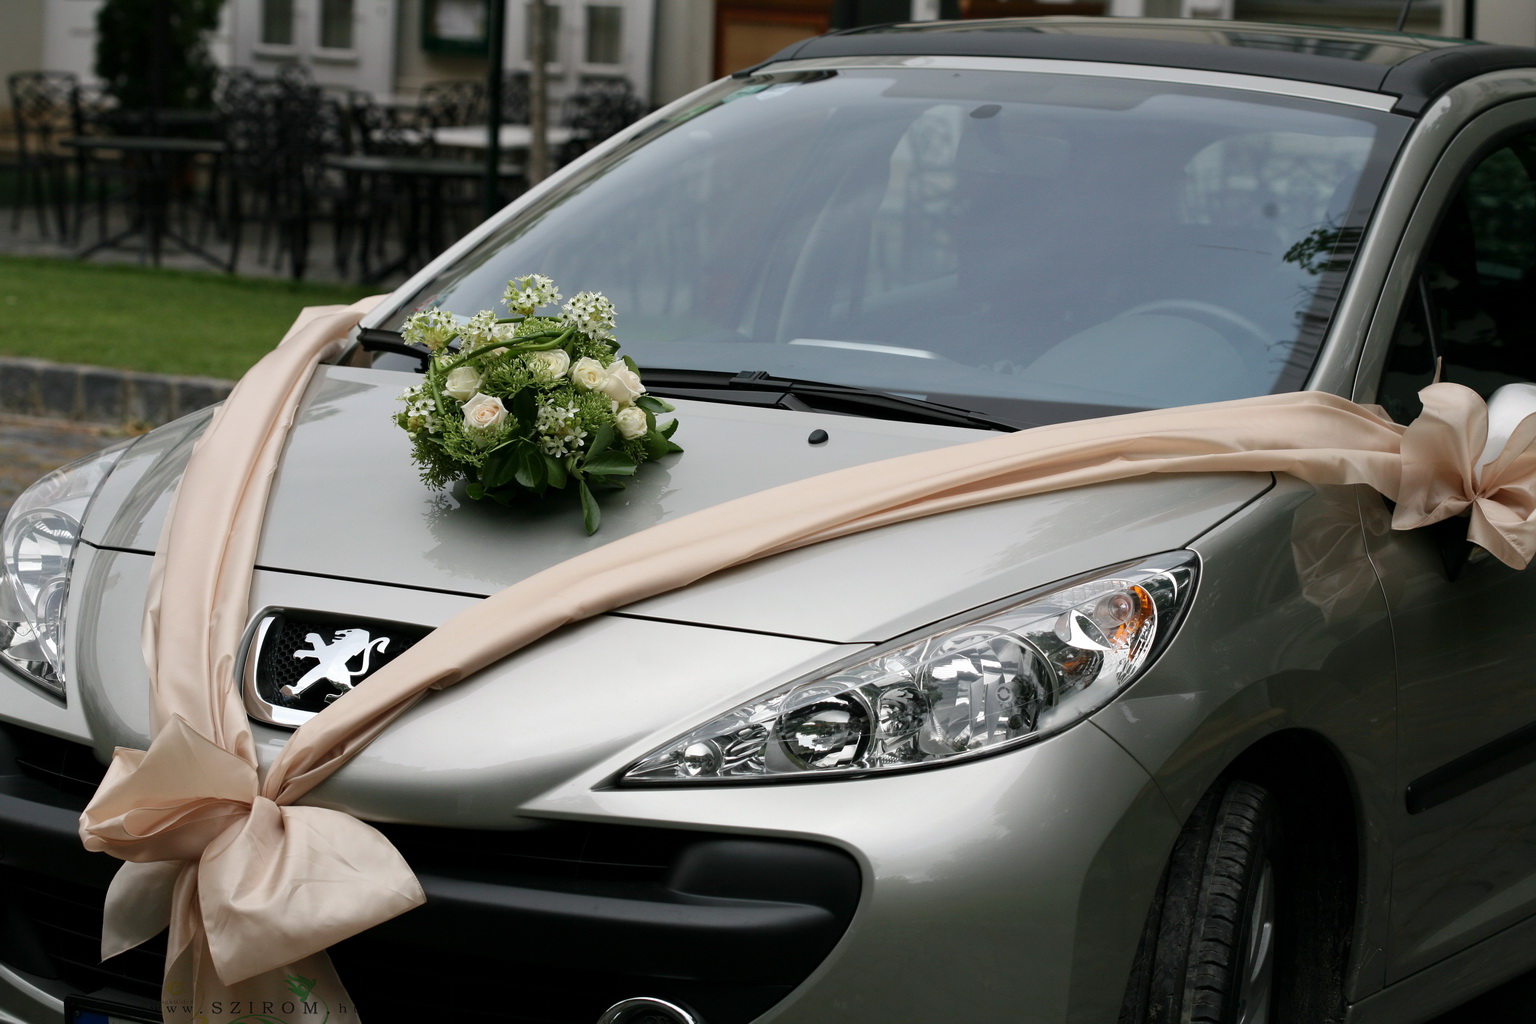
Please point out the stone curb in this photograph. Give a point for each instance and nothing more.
(97, 394)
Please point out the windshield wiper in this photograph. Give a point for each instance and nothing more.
(376, 339)
(758, 387)
(812, 396)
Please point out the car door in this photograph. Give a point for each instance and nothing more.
(1464, 627)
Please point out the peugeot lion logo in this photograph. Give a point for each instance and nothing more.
(331, 660)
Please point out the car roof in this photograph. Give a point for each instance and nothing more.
(1413, 68)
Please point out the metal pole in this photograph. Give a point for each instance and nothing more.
(538, 93)
(495, 22)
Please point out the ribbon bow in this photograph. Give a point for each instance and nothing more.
(252, 889)
(1447, 471)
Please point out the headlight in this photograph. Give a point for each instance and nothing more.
(1004, 676)
(37, 549)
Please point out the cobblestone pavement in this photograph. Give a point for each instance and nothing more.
(31, 447)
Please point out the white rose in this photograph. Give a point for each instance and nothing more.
(623, 385)
(589, 373)
(630, 422)
(553, 363)
(461, 383)
(483, 414)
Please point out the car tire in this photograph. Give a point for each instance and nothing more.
(1214, 944)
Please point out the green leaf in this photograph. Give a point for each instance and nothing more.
(610, 463)
(590, 514)
(531, 471)
(654, 405)
(606, 483)
(668, 429)
(476, 491)
(525, 407)
(500, 466)
(601, 439)
(554, 469)
(656, 445)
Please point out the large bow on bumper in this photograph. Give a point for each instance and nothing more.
(272, 884)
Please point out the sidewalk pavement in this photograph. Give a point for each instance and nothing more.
(100, 395)
(31, 447)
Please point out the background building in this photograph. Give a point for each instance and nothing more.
(664, 48)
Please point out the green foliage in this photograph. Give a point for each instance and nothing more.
(154, 53)
(1325, 249)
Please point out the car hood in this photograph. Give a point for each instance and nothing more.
(347, 504)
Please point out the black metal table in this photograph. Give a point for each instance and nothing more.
(415, 173)
(155, 161)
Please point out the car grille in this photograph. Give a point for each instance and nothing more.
(426, 967)
(301, 661)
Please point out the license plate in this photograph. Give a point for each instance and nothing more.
(81, 1010)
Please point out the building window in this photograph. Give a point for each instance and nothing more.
(336, 24)
(277, 22)
(455, 26)
(605, 26)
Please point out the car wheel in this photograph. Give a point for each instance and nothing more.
(1212, 945)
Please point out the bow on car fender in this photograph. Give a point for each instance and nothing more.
(243, 877)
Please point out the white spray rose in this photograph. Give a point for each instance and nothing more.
(551, 364)
(462, 383)
(623, 384)
(483, 416)
(589, 373)
(630, 422)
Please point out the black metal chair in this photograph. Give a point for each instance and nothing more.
(100, 178)
(389, 203)
(279, 133)
(249, 110)
(43, 107)
(458, 203)
(453, 102)
(599, 109)
(516, 104)
(315, 127)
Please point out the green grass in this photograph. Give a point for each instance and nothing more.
(142, 318)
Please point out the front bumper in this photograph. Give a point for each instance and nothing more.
(552, 923)
(1012, 888)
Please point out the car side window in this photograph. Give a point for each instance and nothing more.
(1471, 304)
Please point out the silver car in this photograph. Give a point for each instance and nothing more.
(867, 781)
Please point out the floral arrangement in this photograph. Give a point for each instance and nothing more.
(526, 405)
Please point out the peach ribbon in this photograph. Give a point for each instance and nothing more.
(255, 888)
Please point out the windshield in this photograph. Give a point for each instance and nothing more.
(1033, 246)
